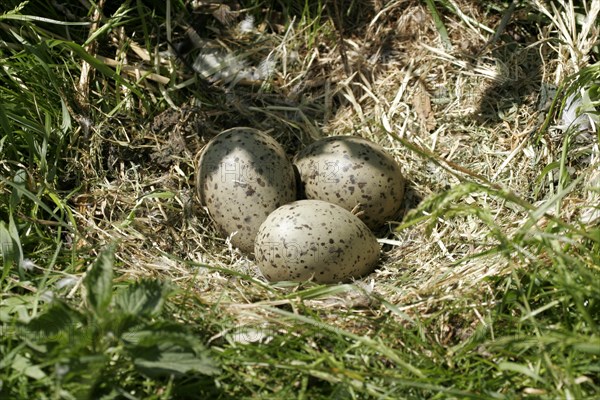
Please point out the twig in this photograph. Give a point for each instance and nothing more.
(86, 68)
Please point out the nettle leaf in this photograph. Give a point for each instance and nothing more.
(98, 281)
(144, 298)
(58, 322)
(158, 332)
(165, 348)
(171, 359)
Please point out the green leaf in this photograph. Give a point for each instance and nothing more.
(34, 18)
(98, 281)
(158, 332)
(142, 298)
(590, 347)
(38, 202)
(165, 348)
(10, 246)
(7, 246)
(539, 181)
(57, 322)
(23, 366)
(171, 359)
(520, 369)
(439, 24)
(20, 181)
(5, 124)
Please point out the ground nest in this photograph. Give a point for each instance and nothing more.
(462, 117)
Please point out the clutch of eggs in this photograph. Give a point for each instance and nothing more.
(248, 185)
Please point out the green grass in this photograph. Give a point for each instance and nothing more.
(109, 289)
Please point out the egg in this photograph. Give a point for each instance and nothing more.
(314, 239)
(352, 172)
(242, 176)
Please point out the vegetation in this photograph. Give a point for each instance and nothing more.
(115, 284)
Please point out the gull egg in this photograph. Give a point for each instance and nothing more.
(314, 239)
(352, 172)
(242, 176)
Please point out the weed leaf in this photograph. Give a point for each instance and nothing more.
(98, 281)
(142, 298)
(171, 359)
(56, 322)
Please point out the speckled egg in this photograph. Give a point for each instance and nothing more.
(243, 175)
(352, 171)
(314, 239)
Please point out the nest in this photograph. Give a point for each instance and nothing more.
(462, 123)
